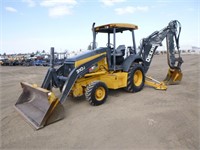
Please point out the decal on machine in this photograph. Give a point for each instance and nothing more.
(80, 69)
(148, 59)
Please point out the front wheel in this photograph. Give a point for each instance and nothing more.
(96, 93)
(136, 79)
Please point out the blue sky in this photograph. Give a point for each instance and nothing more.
(31, 25)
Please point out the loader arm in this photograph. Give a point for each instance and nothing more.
(53, 79)
(75, 74)
(40, 106)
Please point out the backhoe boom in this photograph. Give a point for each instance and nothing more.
(150, 44)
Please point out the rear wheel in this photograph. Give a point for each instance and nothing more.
(136, 78)
(96, 93)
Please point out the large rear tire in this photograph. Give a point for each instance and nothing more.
(96, 93)
(136, 78)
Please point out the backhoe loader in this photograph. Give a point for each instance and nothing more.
(99, 69)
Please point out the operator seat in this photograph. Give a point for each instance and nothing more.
(120, 50)
(119, 53)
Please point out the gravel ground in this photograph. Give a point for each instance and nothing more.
(150, 119)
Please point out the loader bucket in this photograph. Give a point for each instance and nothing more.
(174, 76)
(39, 106)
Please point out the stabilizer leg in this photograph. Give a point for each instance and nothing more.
(149, 81)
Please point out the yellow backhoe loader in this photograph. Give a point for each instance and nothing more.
(99, 69)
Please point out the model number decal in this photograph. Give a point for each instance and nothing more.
(80, 69)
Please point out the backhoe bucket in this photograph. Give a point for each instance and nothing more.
(174, 76)
(39, 106)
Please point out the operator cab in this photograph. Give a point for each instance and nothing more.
(116, 53)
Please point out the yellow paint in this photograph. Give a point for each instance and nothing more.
(95, 73)
(155, 84)
(112, 81)
(100, 93)
(138, 78)
(80, 62)
(115, 80)
(174, 76)
(77, 90)
(51, 97)
(117, 25)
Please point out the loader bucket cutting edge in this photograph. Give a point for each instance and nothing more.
(39, 106)
(174, 76)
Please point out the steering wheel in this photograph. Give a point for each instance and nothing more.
(110, 45)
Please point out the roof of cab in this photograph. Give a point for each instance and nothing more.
(120, 27)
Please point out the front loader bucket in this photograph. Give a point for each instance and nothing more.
(174, 76)
(39, 106)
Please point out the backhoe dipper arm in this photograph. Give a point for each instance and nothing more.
(149, 45)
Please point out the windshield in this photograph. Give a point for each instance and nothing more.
(124, 38)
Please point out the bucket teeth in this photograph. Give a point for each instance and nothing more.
(39, 106)
(174, 76)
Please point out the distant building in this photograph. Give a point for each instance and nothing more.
(195, 50)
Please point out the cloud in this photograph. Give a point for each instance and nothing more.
(131, 10)
(11, 9)
(111, 2)
(59, 11)
(30, 3)
(58, 8)
(52, 3)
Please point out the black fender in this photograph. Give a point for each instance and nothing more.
(129, 61)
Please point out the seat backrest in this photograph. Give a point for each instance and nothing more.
(120, 51)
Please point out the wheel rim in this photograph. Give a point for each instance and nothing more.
(100, 93)
(137, 78)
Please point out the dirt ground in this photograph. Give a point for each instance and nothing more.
(149, 119)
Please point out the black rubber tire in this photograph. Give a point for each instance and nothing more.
(91, 90)
(131, 86)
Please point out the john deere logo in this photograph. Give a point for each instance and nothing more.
(148, 59)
